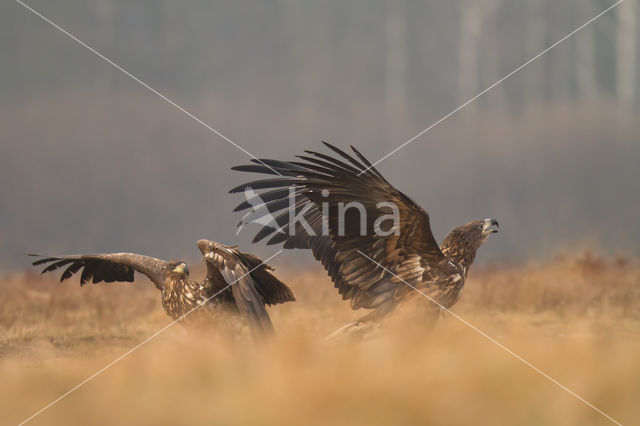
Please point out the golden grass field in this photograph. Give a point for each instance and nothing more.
(576, 317)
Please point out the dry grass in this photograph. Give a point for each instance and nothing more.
(575, 318)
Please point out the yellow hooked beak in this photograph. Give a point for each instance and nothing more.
(490, 226)
(181, 269)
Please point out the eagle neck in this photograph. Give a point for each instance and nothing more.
(459, 249)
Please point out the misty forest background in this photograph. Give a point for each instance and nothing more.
(91, 161)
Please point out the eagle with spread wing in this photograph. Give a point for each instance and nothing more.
(336, 206)
(235, 281)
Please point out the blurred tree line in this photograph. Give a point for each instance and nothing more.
(91, 161)
(389, 44)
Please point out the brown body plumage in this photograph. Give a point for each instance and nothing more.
(180, 294)
(236, 282)
(317, 187)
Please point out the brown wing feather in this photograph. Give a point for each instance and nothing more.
(251, 284)
(410, 253)
(106, 267)
(248, 300)
(272, 290)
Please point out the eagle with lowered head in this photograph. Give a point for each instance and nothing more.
(236, 282)
(336, 205)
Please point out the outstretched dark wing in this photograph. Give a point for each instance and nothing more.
(105, 267)
(319, 189)
(251, 284)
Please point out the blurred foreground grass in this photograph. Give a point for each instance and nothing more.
(576, 318)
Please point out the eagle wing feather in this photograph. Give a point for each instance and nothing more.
(107, 267)
(251, 283)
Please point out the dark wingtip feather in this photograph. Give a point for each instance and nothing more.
(344, 155)
(264, 232)
(283, 166)
(355, 151)
(278, 182)
(334, 148)
(51, 267)
(254, 168)
(367, 163)
(239, 188)
(242, 206)
(257, 238)
(277, 238)
(43, 260)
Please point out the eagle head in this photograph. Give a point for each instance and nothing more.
(476, 232)
(177, 267)
(462, 242)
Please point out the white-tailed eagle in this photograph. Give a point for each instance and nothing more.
(373, 266)
(235, 281)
